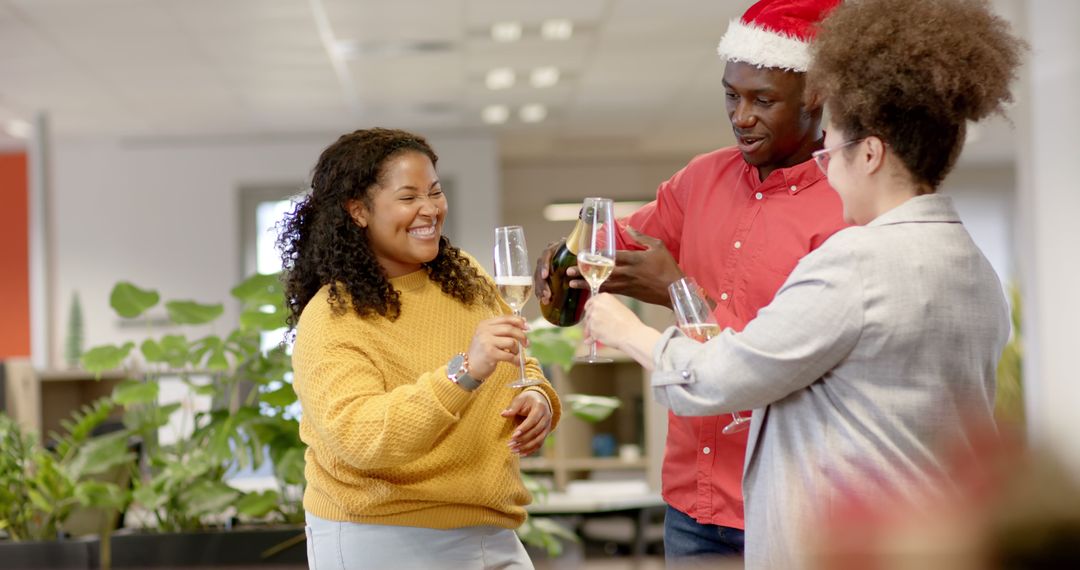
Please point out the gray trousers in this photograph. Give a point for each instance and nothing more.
(333, 545)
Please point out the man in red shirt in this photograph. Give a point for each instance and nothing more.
(737, 220)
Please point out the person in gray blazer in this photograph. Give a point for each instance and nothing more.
(882, 344)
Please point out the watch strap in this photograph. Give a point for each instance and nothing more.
(468, 383)
(457, 370)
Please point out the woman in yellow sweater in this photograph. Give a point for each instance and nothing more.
(413, 432)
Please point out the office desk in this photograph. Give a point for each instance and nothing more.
(638, 507)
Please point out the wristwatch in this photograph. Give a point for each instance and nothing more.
(457, 370)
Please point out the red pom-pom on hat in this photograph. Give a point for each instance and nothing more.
(775, 33)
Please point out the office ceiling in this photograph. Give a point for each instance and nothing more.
(636, 77)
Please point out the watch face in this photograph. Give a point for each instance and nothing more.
(453, 368)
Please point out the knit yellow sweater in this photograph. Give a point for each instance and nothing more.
(390, 439)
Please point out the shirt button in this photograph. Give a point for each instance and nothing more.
(686, 374)
(723, 296)
(794, 187)
(706, 451)
(759, 195)
(738, 244)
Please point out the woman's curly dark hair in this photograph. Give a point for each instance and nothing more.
(321, 244)
(913, 72)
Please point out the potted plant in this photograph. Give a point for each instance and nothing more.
(40, 488)
(546, 537)
(180, 497)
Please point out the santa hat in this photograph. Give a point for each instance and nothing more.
(775, 33)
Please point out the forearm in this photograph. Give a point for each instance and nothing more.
(638, 343)
(532, 370)
(385, 429)
(811, 325)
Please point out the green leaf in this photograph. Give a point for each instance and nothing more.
(258, 505)
(192, 313)
(102, 495)
(82, 423)
(39, 501)
(554, 346)
(217, 361)
(259, 319)
(279, 398)
(108, 357)
(100, 454)
(553, 528)
(207, 497)
(260, 289)
(131, 392)
(538, 490)
(149, 497)
(206, 390)
(148, 419)
(290, 468)
(545, 533)
(215, 348)
(244, 341)
(592, 409)
(175, 349)
(152, 351)
(130, 301)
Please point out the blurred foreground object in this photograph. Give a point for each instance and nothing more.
(1016, 509)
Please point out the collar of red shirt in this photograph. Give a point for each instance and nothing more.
(791, 179)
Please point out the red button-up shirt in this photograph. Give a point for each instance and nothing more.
(739, 237)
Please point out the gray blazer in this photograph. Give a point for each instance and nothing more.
(881, 345)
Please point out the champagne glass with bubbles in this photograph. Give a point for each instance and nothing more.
(513, 278)
(694, 313)
(596, 252)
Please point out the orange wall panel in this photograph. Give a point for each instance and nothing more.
(14, 257)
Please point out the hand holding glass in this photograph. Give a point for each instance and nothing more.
(693, 311)
(596, 252)
(513, 278)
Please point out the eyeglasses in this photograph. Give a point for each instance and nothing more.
(821, 157)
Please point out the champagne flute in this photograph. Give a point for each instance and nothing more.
(514, 282)
(596, 252)
(694, 313)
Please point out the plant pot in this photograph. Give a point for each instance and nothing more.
(209, 549)
(78, 554)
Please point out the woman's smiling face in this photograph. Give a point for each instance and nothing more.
(405, 219)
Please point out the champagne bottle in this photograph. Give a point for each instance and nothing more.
(566, 306)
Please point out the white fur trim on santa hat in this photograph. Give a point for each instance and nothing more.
(764, 48)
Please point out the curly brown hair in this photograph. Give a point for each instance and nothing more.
(913, 72)
(321, 244)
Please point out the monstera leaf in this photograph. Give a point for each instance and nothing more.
(129, 301)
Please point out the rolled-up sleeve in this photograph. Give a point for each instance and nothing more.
(812, 324)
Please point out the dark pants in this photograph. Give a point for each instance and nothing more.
(685, 539)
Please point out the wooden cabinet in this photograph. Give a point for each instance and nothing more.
(575, 453)
(39, 400)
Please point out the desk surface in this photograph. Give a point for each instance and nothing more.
(563, 503)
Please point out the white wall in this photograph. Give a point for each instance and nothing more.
(984, 195)
(1049, 205)
(164, 215)
(529, 185)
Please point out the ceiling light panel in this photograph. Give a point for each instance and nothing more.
(480, 14)
(506, 31)
(557, 29)
(18, 128)
(543, 77)
(500, 78)
(532, 113)
(495, 114)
